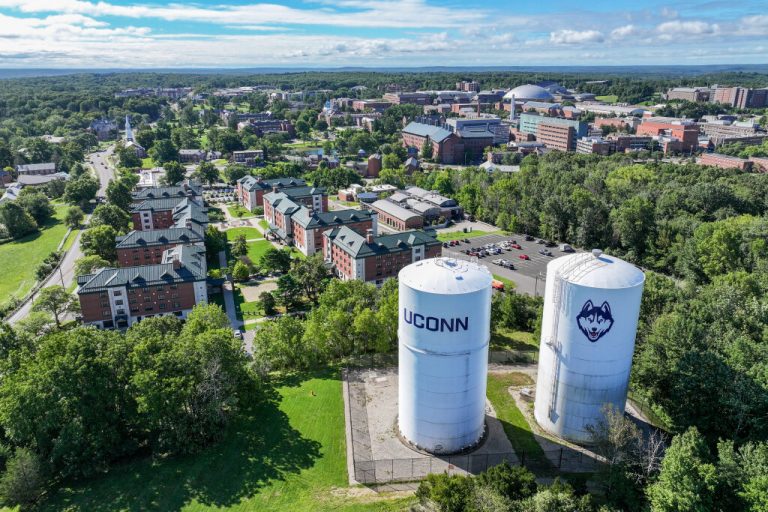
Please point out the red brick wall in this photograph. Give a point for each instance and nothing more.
(93, 306)
(144, 302)
(141, 256)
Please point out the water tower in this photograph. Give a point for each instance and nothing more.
(444, 330)
(591, 308)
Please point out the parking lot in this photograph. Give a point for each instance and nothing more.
(529, 275)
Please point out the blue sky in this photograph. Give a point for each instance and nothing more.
(326, 33)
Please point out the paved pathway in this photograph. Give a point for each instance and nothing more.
(229, 296)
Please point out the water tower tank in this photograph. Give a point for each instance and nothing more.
(591, 307)
(444, 330)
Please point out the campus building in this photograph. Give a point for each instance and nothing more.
(250, 190)
(678, 135)
(120, 297)
(375, 258)
(148, 247)
(395, 216)
(164, 213)
(308, 226)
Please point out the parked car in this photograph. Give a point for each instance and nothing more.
(528, 238)
(541, 241)
(238, 334)
(497, 285)
(466, 240)
(524, 257)
(516, 246)
(549, 243)
(566, 248)
(545, 252)
(445, 244)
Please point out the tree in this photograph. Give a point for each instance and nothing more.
(240, 246)
(56, 301)
(22, 482)
(111, 215)
(512, 482)
(449, 493)
(426, 149)
(275, 260)
(235, 171)
(189, 385)
(289, 291)
(88, 264)
(688, 478)
(312, 275)
(241, 272)
(36, 324)
(68, 401)
(74, 217)
(16, 219)
(207, 173)
(215, 241)
(633, 223)
(163, 151)
(279, 344)
(174, 173)
(268, 303)
(99, 241)
(81, 191)
(392, 161)
(128, 158)
(119, 194)
(38, 206)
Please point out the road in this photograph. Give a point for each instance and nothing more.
(66, 273)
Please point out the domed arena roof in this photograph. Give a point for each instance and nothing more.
(529, 92)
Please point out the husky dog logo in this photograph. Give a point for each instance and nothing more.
(594, 321)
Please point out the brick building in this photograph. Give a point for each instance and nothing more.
(147, 247)
(36, 169)
(595, 145)
(249, 157)
(280, 206)
(308, 226)
(370, 105)
(375, 258)
(120, 297)
(741, 97)
(683, 130)
(724, 161)
(556, 136)
(444, 143)
(396, 216)
(250, 190)
(170, 212)
(413, 98)
(694, 94)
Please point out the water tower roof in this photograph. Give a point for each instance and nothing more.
(446, 276)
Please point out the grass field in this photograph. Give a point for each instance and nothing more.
(257, 249)
(285, 455)
(515, 425)
(147, 163)
(612, 98)
(508, 283)
(70, 239)
(460, 235)
(264, 224)
(250, 233)
(19, 259)
(238, 211)
(507, 339)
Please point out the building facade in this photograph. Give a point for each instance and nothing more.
(147, 247)
(250, 190)
(395, 216)
(308, 226)
(375, 258)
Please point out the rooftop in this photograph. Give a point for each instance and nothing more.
(356, 245)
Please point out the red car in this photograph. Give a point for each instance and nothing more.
(515, 246)
(524, 257)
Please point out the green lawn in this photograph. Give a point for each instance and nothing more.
(19, 259)
(70, 239)
(264, 224)
(508, 283)
(147, 163)
(611, 98)
(515, 425)
(460, 235)
(508, 339)
(257, 249)
(238, 211)
(285, 455)
(250, 233)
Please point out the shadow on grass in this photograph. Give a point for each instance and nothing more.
(260, 447)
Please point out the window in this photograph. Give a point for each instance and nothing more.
(118, 303)
(147, 299)
(174, 295)
(105, 304)
(106, 312)
(177, 304)
(148, 308)
(162, 306)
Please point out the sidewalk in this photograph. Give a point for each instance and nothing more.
(229, 296)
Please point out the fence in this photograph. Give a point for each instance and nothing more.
(376, 360)
(383, 471)
(369, 470)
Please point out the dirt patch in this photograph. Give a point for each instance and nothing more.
(251, 293)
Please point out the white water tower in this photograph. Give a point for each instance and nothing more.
(591, 308)
(444, 331)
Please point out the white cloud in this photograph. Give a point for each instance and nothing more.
(576, 37)
(624, 32)
(754, 25)
(694, 28)
(383, 13)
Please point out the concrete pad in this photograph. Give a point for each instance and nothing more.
(251, 293)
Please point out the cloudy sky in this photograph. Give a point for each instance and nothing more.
(327, 33)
